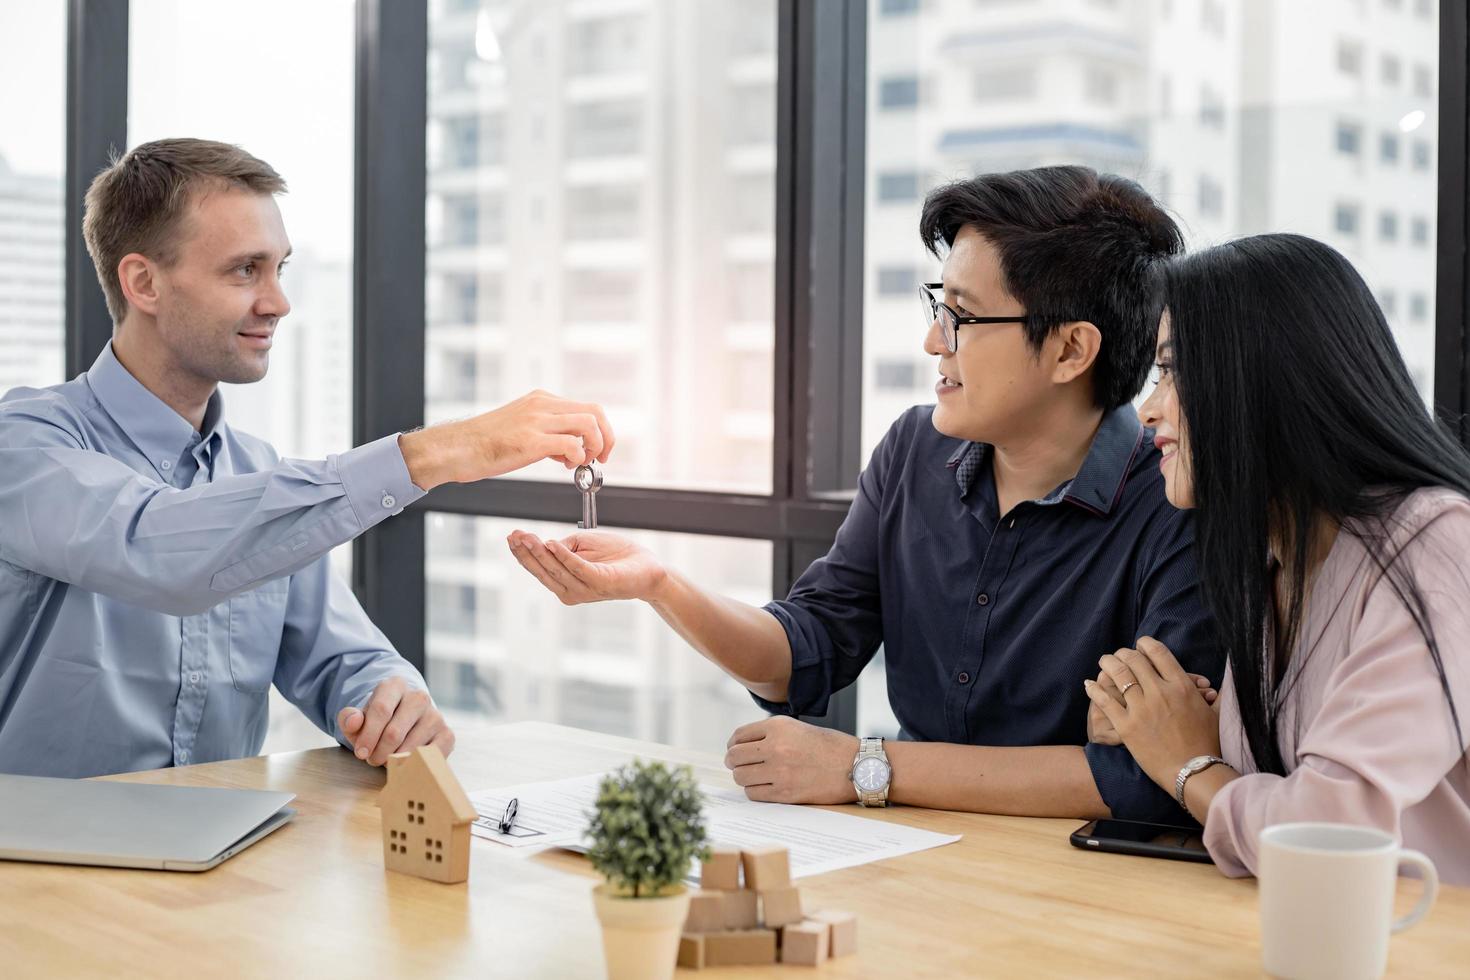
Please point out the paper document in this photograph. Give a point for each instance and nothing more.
(555, 814)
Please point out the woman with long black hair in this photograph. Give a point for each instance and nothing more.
(1333, 528)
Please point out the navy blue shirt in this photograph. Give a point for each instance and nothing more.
(989, 622)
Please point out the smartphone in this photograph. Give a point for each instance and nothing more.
(1147, 839)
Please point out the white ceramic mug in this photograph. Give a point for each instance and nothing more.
(1327, 893)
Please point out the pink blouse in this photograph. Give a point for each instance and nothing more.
(1367, 734)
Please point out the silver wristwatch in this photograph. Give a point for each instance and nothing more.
(1193, 767)
(871, 773)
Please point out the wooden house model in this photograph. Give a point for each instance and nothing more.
(426, 817)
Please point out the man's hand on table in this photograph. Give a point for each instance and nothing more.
(782, 760)
(398, 718)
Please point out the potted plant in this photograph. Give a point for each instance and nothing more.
(645, 830)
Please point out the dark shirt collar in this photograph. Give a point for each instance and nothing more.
(1097, 485)
(157, 430)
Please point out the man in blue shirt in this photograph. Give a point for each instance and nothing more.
(1000, 542)
(160, 569)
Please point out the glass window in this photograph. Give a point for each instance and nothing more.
(605, 45)
(621, 199)
(601, 211)
(1423, 81)
(1419, 307)
(1423, 155)
(604, 129)
(899, 186)
(1390, 70)
(898, 280)
(1240, 118)
(32, 212)
(186, 60)
(1003, 83)
(502, 648)
(1388, 148)
(901, 92)
(896, 375)
(1388, 226)
(1419, 233)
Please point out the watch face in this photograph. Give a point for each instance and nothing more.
(871, 775)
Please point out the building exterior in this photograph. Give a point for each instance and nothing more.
(601, 216)
(31, 265)
(601, 225)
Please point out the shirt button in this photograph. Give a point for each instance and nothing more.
(165, 466)
(983, 599)
(389, 501)
(964, 678)
(194, 677)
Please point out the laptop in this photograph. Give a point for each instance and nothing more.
(132, 825)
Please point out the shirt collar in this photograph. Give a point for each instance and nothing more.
(157, 430)
(1098, 484)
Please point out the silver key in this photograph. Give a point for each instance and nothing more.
(588, 479)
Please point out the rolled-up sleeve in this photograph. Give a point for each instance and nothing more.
(1171, 611)
(833, 617)
(81, 517)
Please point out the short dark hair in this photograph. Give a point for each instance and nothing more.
(1074, 245)
(138, 202)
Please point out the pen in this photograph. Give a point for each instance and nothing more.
(509, 820)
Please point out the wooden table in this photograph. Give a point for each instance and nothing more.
(1013, 898)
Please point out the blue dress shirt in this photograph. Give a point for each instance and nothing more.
(990, 626)
(155, 581)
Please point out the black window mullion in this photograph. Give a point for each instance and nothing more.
(388, 293)
(1452, 306)
(96, 128)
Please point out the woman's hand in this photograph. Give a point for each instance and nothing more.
(1155, 707)
(1101, 731)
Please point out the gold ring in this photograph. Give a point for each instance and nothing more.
(1124, 691)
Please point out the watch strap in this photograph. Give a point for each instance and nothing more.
(1193, 767)
(872, 748)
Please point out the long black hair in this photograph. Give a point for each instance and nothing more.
(1297, 406)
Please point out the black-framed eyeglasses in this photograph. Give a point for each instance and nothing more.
(949, 320)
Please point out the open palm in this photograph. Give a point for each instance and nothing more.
(590, 566)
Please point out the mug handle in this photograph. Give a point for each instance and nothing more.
(1426, 898)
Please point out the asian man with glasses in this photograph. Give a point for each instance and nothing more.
(1000, 541)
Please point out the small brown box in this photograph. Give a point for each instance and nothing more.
(721, 870)
(805, 943)
(750, 947)
(706, 912)
(742, 909)
(766, 867)
(780, 906)
(691, 951)
(844, 930)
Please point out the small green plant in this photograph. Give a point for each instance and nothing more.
(647, 827)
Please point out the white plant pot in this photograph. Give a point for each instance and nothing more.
(640, 936)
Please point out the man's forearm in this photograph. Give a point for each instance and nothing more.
(746, 642)
(1034, 781)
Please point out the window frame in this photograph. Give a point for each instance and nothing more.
(820, 145)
